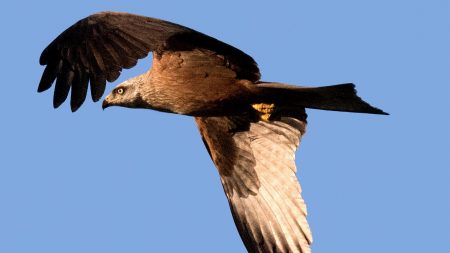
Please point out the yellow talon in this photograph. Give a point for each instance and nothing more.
(265, 110)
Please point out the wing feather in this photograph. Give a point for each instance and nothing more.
(50, 73)
(134, 40)
(82, 55)
(98, 85)
(62, 88)
(126, 56)
(108, 56)
(96, 58)
(79, 91)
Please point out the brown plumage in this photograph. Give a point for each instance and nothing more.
(250, 128)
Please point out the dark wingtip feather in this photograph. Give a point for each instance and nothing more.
(75, 103)
(47, 79)
(49, 76)
(62, 88)
(75, 106)
(43, 57)
(79, 89)
(58, 100)
(41, 89)
(98, 85)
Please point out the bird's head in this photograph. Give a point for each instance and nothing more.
(125, 94)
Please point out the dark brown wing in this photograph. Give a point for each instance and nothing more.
(97, 48)
(256, 163)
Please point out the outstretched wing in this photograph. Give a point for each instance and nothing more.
(97, 48)
(256, 163)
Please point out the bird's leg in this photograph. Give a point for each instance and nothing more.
(264, 110)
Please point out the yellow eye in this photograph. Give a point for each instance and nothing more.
(119, 91)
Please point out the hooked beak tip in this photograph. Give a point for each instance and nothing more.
(105, 104)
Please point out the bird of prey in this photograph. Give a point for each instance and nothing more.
(250, 128)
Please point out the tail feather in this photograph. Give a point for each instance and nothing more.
(341, 97)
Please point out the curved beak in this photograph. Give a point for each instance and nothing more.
(105, 104)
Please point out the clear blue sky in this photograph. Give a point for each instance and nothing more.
(125, 180)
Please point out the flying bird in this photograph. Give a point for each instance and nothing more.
(251, 129)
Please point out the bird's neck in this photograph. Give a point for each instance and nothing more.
(151, 96)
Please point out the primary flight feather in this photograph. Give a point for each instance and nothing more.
(250, 128)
